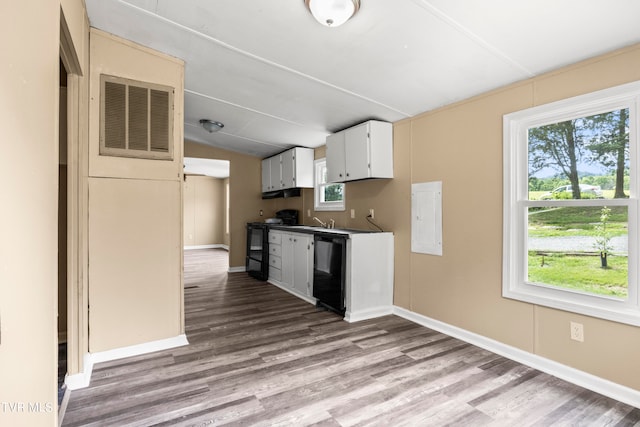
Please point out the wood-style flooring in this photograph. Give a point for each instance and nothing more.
(259, 356)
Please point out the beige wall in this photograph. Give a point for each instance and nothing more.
(118, 57)
(204, 210)
(28, 247)
(245, 201)
(135, 215)
(134, 271)
(461, 145)
(389, 198)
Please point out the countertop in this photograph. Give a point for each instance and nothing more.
(313, 229)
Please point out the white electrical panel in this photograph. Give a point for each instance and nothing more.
(426, 218)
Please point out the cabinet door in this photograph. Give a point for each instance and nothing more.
(275, 173)
(335, 157)
(288, 167)
(301, 248)
(357, 158)
(287, 260)
(266, 175)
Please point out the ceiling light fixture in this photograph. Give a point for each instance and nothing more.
(332, 13)
(211, 125)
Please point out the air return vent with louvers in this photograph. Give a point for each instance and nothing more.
(136, 119)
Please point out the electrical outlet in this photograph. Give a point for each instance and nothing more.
(577, 331)
(353, 213)
(371, 214)
(309, 213)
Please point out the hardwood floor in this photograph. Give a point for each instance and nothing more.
(259, 356)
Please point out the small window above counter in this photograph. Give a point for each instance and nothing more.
(360, 152)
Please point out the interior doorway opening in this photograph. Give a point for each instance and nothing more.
(62, 235)
(206, 203)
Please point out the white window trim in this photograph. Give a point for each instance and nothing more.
(325, 206)
(516, 203)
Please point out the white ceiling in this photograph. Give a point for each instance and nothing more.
(276, 78)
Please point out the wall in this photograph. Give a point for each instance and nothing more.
(135, 215)
(461, 145)
(245, 201)
(204, 210)
(28, 247)
(389, 198)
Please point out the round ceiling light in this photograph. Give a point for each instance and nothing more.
(332, 13)
(210, 125)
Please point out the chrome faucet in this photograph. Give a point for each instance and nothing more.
(332, 223)
(322, 224)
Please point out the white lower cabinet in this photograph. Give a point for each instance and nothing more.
(294, 261)
(275, 255)
(303, 264)
(369, 281)
(368, 271)
(287, 257)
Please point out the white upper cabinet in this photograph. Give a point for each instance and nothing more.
(335, 157)
(275, 176)
(266, 175)
(360, 152)
(290, 169)
(271, 174)
(297, 168)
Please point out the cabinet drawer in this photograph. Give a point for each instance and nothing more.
(275, 274)
(275, 238)
(275, 250)
(275, 261)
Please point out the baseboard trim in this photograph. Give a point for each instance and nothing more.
(371, 313)
(216, 246)
(237, 269)
(583, 379)
(138, 349)
(82, 379)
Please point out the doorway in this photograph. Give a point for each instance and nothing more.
(62, 236)
(206, 203)
(72, 119)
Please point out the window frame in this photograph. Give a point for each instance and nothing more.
(318, 188)
(516, 204)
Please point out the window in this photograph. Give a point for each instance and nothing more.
(571, 204)
(136, 119)
(328, 197)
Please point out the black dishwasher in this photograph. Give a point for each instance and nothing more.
(329, 271)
